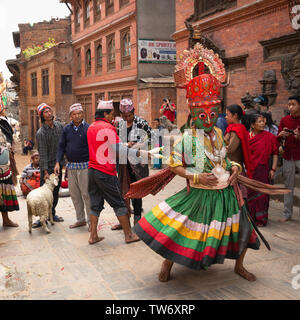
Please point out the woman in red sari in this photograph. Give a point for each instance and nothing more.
(263, 145)
(237, 141)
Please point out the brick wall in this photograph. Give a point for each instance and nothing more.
(115, 82)
(40, 32)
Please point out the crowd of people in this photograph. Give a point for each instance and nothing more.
(105, 158)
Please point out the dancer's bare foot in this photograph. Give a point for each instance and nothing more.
(95, 240)
(165, 271)
(284, 219)
(9, 223)
(241, 271)
(77, 224)
(132, 238)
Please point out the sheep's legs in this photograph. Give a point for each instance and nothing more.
(29, 222)
(29, 213)
(50, 215)
(43, 222)
(93, 227)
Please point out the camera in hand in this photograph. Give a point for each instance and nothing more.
(288, 130)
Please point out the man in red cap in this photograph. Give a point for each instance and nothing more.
(47, 139)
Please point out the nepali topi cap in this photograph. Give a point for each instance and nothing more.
(105, 105)
(126, 105)
(76, 107)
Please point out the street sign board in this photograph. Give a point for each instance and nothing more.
(153, 51)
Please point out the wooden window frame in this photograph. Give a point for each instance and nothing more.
(202, 9)
(124, 3)
(99, 66)
(109, 7)
(97, 13)
(77, 21)
(45, 82)
(125, 59)
(33, 84)
(78, 63)
(111, 63)
(88, 64)
(64, 88)
(87, 13)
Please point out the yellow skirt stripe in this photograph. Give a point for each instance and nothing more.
(191, 234)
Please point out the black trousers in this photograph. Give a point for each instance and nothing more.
(136, 203)
(106, 187)
(56, 189)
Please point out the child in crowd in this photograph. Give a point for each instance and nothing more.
(30, 177)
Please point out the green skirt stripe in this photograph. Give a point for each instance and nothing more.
(8, 196)
(202, 206)
(191, 205)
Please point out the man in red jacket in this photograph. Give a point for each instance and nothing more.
(104, 144)
(289, 135)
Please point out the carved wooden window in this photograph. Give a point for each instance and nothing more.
(34, 84)
(87, 13)
(45, 82)
(109, 5)
(99, 58)
(207, 7)
(123, 3)
(88, 61)
(111, 54)
(77, 19)
(78, 62)
(97, 10)
(125, 48)
(66, 84)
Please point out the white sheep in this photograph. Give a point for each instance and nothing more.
(39, 202)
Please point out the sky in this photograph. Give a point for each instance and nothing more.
(14, 12)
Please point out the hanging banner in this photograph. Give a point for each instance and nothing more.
(152, 51)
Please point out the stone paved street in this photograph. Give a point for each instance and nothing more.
(62, 265)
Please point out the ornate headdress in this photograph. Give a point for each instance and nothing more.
(203, 89)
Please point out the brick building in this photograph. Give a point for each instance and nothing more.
(255, 40)
(107, 65)
(45, 76)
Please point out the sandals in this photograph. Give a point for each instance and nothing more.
(37, 224)
(58, 219)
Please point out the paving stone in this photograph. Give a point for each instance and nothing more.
(157, 291)
(62, 265)
(124, 280)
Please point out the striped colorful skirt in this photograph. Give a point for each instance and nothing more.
(199, 228)
(8, 196)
